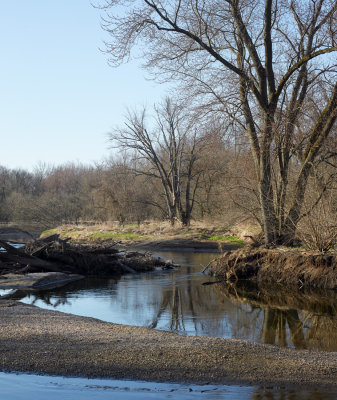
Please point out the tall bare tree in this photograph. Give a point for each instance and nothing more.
(167, 150)
(259, 62)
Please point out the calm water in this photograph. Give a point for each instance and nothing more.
(33, 387)
(179, 301)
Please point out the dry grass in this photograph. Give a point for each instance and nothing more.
(303, 269)
(149, 230)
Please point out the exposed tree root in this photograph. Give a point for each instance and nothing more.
(277, 266)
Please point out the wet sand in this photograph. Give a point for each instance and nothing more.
(50, 342)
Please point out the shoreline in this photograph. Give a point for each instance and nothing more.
(181, 245)
(35, 340)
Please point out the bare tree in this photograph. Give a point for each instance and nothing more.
(167, 151)
(257, 62)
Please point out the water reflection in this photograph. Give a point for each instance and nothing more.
(178, 301)
(286, 394)
(275, 325)
(35, 387)
(305, 319)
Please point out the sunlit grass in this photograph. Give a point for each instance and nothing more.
(228, 239)
(145, 231)
(49, 232)
(115, 235)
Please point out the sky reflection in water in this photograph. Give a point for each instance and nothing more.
(34, 387)
(178, 301)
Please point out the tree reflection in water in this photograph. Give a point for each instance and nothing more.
(178, 301)
(274, 327)
(262, 393)
(62, 295)
(300, 319)
(260, 314)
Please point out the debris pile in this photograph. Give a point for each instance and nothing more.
(53, 254)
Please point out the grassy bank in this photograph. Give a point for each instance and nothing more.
(151, 231)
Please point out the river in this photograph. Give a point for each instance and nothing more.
(184, 301)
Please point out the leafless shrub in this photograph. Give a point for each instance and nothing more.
(318, 230)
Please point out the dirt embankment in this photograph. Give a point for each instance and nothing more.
(36, 340)
(302, 269)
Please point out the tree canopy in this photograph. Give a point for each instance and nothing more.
(269, 66)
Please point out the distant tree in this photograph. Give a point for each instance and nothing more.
(167, 150)
(123, 194)
(257, 62)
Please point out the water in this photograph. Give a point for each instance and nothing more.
(35, 387)
(28, 387)
(179, 301)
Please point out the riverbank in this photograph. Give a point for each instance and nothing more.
(283, 266)
(153, 235)
(49, 342)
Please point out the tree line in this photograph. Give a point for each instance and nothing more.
(178, 181)
(171, 164)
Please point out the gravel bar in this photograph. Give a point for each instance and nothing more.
(55, 343)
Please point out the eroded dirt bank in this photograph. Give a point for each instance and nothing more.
(36, 340)
(290, 268)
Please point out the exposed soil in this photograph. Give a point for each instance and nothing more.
(17, 235)
(37, 281)
(41, 341)
(301, 269)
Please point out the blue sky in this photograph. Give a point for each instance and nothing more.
(58, 96)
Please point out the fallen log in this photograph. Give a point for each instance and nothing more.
(53, 254)
(9, 248)
(38, 246)
(34, 262)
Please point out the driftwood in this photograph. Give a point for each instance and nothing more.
(53, 254)
(18, 257)
(9, 248)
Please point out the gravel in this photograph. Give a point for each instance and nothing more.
(50, 342)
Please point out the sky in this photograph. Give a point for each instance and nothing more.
(58, 96)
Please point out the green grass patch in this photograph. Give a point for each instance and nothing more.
(114, 235)
(49, 232)
(227, 239)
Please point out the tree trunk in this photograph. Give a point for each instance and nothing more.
(265, 184)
